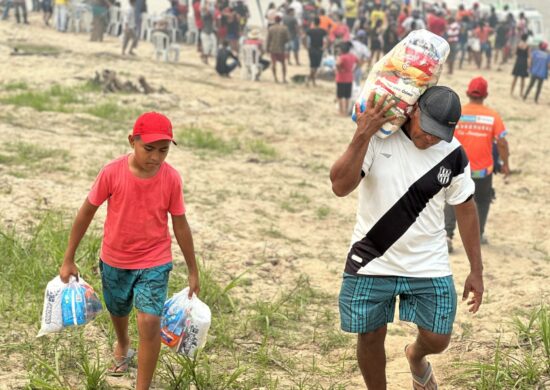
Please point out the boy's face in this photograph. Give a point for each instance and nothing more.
(149, 157)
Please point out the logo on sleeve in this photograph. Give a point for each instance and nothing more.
(444, 175)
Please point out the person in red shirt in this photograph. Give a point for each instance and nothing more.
(345, 64)
(437, 23)
(141, 189)
(483, 32)
(198, 22)
(478, 129)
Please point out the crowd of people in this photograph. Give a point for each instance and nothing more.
(331, 35)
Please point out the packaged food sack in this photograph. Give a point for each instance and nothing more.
(68, 304)
(185, 323)
(412, 66)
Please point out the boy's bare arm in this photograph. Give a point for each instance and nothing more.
(79, 228)
(182, 231)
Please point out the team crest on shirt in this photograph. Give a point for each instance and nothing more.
(444, 175)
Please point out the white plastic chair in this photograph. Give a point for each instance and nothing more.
(173, 27)
(163, 47)
(80, 17)
(250, 65)
(146, 26)
(115, 21)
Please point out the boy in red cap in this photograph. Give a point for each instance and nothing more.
(478, 129)
(141, 189)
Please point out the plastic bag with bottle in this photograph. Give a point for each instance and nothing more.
(68, 304)
(185, 323)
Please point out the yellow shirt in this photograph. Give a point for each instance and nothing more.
(60, 2)
(351, 9)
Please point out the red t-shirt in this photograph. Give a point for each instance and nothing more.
(136, 234)
(198, 16)
(344, 71)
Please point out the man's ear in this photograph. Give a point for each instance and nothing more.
(131, 140)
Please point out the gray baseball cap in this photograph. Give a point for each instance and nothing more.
(440, 111)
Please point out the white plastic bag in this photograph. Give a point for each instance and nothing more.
(68, 304)
(412, 66)
(52, 321)
(185, 323)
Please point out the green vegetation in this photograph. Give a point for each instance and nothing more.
(24, 158)
(323, 212)
(252, 344)
(113, 112)
(15, 86)
(207, 140)
(29, 48)
(198, 138)
(523, 363)
(84, 98)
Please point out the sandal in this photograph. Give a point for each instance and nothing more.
(120, 367)
(427, 381)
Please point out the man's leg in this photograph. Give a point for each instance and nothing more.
(149, 348)
(284, 72)
(531, 83)
(427, 343)
(312, 74)
(539, 87)
(483, 197)
(371, 357)
(6, 12)
(274, 70)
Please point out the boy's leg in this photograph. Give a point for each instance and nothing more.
(118, 295)
(149, 348)
(123, 340)
(150, 293)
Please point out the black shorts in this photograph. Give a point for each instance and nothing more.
(315, 57)
(343, 90)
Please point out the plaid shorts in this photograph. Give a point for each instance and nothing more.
(368, 302)
(146, 289)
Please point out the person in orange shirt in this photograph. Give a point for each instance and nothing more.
(326, 22)
(478, 129)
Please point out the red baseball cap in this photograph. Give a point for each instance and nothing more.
(153, 126)
(478, 88)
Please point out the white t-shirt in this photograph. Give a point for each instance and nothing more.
(298, 11)
(130, 18)
(400, 222)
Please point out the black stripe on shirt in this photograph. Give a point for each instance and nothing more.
(399, 218)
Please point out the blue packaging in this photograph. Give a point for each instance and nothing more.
(73, 305)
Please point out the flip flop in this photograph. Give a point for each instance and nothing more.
(428, 378)
(421, 383)
(120, 367)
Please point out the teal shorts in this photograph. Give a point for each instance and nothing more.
(368, 302)
(146, 289)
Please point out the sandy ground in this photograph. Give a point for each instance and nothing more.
(246, 209)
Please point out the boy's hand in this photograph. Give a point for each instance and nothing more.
(68, 269)
(193, 284)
